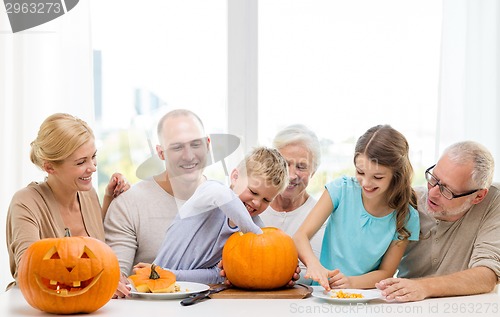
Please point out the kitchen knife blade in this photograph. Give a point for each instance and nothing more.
(202, 295)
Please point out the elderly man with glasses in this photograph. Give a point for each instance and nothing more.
(459, 248)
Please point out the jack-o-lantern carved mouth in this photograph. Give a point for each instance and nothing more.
(63, 289)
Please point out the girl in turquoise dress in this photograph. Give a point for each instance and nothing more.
(371, 217)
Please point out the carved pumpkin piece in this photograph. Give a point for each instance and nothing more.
(154, 279)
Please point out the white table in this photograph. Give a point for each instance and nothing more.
(12, 303)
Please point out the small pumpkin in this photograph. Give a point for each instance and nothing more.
(68, 275)
(260, 261)
(153, 279)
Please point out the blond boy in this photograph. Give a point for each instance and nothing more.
(193, 244)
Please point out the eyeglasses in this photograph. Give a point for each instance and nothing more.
(445, 191)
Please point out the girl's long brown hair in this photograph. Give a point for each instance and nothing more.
(388, 147)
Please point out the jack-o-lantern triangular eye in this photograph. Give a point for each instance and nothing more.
(87, 254)
(55, 256)
(52, 254)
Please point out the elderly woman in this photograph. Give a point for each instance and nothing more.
(301, 149)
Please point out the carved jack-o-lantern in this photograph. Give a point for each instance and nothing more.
(68, 275)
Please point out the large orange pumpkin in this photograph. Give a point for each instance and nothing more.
(260, 261)
(68, 275)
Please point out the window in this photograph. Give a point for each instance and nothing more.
(150, 57)
(341, 67)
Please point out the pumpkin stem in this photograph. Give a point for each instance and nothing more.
(67, 233)
(154, 275)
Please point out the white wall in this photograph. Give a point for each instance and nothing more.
(43, 70)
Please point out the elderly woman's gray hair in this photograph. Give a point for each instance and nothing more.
(470, 151)
(300, 134)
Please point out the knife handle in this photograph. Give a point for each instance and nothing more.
(194, 298)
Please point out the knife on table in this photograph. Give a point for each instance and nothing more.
(202, 295)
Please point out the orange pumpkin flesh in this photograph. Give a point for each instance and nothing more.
(264, 261)
(68, 275)
(153, 279)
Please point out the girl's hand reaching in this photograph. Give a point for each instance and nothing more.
(319, 274)
(337, 279)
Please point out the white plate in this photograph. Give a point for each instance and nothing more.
(187, 288)
(368, 294)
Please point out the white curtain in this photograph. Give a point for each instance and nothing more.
(470, 73)
(43, 70)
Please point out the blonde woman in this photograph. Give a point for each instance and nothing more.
(64, 149)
